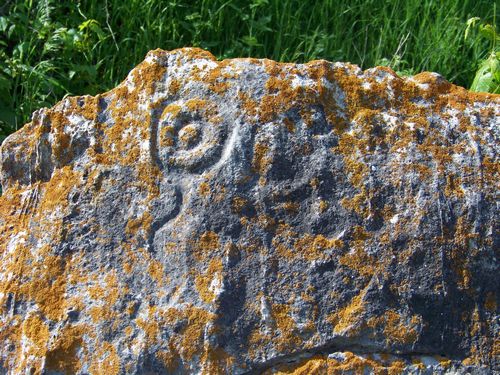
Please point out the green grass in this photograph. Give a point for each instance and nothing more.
(49, 49)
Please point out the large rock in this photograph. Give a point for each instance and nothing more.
(244, 216)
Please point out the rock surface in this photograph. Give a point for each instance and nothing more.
(249, 216)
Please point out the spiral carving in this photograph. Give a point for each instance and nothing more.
(188, 139)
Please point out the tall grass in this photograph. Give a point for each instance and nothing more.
(50, 48)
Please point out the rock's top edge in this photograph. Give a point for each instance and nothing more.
(202, 54)
(435, 80)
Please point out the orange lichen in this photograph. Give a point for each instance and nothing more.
(156, 271)
(215, 360)
(49, 296)
(101, 314)
(463, 236)
(261, 161)
(291, 207)
(167, 136)
(349, 317)
(312, 247)
(188, 134)
(219, 87)
(204, 189)
(257, 340)
(443, 361)
(195, 105)
(314, 365)
(287, 337)
(62, 140)
(289, 124)
(219, 193)
(189, 340)
(249, 105)
(34, 334)
(151, 329)
(171, 358)
(266, 222)
(142, 223)
(323, 206)
(360, 261)
(347, 363)
(171, 110)
(209, 241)
(207, 282)
(105, 361)
(453, 188)
(175, 86)
(396, 330)
(37, 332)
(281, 96)
(96, 292)
(238, 203)
(57, 189)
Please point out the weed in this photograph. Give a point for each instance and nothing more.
(487, 78)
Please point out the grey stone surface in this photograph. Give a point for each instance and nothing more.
(247, 216)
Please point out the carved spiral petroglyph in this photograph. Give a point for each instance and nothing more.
(185, 142)
(188, 140)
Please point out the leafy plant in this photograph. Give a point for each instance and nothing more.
(41, 60)
(487, 78)
(400, 66)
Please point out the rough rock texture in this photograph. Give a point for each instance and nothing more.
(248, 216)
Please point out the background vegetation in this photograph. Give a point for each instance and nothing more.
(53, 48)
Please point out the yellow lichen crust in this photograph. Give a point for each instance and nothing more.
(246, 215)
(350, 363)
